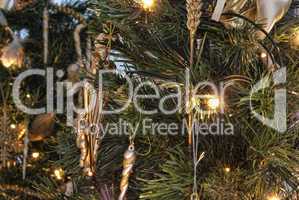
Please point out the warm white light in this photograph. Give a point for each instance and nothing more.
(263, 55)
(28, 96)
(13, 126)
(274, 197)
(59, 173)
(35, 155)
(90, 173)
(213, 103)
(227, 169)
(147, 4)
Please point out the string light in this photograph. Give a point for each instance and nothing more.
(59, 173)
(227, 169)
(35, 155)
(147, 4)
(90, 173)
(263, 55)
(274, 197)
(13, 126)
(213, 103)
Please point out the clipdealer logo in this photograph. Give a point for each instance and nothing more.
(279, 122)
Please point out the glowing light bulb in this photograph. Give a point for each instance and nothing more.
(213, 103)
(274, 197)
(35, 155)
(28, 96)
(59, 173)
(263, 55)
(227, 169)
(13, 126)
(147, 4)
(89, 173)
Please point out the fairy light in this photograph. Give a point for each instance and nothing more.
(213, 103)
(273, 197)
(35, 155)
(227, 169)
(148, 4)
(263, 55)
(90, 173)
(13, 126)
(59, 173)
(28, 96)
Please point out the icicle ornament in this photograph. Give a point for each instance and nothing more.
(128, 164)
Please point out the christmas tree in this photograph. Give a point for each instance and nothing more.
(149, 99)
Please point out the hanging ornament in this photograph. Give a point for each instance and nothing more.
(42, 127)
(6, 4)
(73, 73)
(69, 189)
(270, 12)
(128, 163)
(88, 133)
(13, 54)
(263, 12)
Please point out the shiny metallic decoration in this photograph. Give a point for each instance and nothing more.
(7, 4)
(270, 12)
(193, 16)
(13, 54)
(42, 127)
(128, 164)
(88, 133)
(263, 12)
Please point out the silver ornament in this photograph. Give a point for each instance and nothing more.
(7, 4)
(270, 12)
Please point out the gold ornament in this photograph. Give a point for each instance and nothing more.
(193, 16)
(13, 54)
(42, 127)
(128, 163)
(294, 40)
(88, 133)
